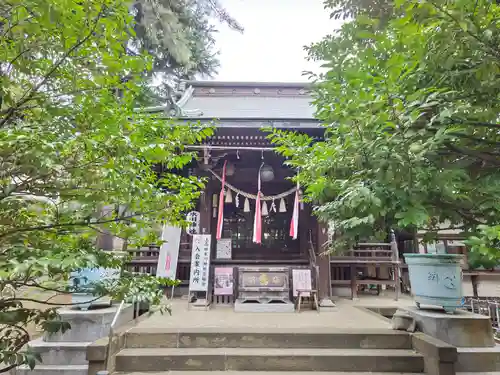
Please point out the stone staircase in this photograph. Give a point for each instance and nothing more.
(156, 351)
(478, 360)
(65, 353)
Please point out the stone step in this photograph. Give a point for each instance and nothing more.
(268, 373)
(251, 359)
(53, 370)
(268, 338)
(478, 359)
(60, 353)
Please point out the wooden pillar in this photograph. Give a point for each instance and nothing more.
(323, 261)
(205, 210)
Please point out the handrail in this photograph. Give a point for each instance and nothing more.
(110, 336)
(116, 314)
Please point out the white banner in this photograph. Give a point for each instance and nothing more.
(200, 263)
(169, 252)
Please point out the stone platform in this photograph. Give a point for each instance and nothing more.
(462, 329)
(351, 337)
(345, 315)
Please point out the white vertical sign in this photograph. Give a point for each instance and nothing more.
(169, 252)
(193, 218)
(200, 263)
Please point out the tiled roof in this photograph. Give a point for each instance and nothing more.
(248, 100)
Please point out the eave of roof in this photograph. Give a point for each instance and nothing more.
(249, 119)
(248, 84)
(254, 123)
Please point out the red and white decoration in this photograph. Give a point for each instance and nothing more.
(260, 205)
(257, 221)
(294, 223)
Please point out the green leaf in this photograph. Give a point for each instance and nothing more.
(410, 121)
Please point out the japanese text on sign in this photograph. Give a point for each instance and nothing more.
(200, 263)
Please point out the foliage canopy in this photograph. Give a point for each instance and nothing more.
(77, 160)
(411, 115)
(179, 36)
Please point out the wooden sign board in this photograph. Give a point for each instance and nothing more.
(224, 248)
(223, 281)
(301, 279)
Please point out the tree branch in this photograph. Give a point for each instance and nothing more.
(22, 299)
(493, 51)
(475, 154)
(475, 139)
(483, 124)
(27, 97)
(76, 224)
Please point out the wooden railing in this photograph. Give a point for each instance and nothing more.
(364, 266)
(145, 260)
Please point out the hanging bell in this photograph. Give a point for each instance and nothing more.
(237, 200)
(264, 211)
(282, 205)
(246, 207)
(229, 197)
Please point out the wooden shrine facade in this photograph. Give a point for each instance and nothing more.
(240, 110)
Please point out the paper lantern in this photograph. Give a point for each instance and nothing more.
(266, 173)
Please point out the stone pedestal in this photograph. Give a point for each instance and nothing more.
(89, 325)
(263, 307)
(65, 353)
(200, 304)
(462, 329)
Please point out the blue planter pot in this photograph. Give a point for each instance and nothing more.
(436, 280)
(84, 279)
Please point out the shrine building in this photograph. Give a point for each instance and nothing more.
(251, 245)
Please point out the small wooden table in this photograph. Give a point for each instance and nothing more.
(313, 296)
